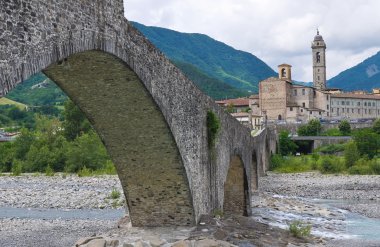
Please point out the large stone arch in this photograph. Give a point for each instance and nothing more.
(135, 134)
(236, 189)
(37, 33)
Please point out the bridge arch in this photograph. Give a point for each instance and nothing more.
(134, 132)
(236, 194)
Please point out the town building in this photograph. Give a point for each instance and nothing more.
(280, 99)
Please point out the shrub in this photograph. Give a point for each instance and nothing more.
(213, 126)
(331, 148)
(115, 194)
(17, 168)
(329, 164)
(287, 145)
(299, 229)
(49, 171)
(362, 167)
(375, 167)
(351, 154)
(345, 128)
(84, 172)
(276, 161)
(332, 132)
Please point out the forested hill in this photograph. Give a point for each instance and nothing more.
(218, 69)
(364, 76)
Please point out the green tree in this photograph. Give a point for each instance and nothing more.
(312, 128)
(351, 154)
(23, 143)
(86, 151)
(287, 145)
(367, 142)
(345, 128)
(75, 121)
(376, 126)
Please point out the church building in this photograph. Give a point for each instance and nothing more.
(281, 99)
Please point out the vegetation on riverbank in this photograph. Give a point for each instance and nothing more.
(359, 156)
(52, 145)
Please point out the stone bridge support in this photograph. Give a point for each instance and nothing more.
(37, 35)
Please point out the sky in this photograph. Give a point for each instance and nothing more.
(276, 31)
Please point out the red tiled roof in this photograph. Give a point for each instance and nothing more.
(235, 102)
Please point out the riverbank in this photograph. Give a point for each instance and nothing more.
(281, 199)
(363, 191)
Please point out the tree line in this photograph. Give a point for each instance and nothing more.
(358, 156)
(48, 143)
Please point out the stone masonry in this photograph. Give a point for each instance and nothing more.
(35, 34)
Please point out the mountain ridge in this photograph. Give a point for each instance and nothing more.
(363, 76)
(239, 69)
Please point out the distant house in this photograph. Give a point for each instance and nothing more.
(235, 105)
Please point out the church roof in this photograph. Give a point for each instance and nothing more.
(318, 37)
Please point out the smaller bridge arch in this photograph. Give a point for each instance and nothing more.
(236, 194)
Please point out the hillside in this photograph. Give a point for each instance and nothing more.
(364, 76)
(6, 101)
(216, 60)
(38, 90)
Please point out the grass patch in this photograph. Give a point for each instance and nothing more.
(292, 164)
(6, 101)
(115, 194)
(299, 229)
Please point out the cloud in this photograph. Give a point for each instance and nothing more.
(276, 31)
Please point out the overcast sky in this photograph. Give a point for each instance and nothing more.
(276, 31)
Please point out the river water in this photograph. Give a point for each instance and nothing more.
(327, 218)
(334, 223)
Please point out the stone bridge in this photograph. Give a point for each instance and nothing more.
(161, 131)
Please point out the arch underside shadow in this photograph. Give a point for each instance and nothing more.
(135, 134)
(236, 189)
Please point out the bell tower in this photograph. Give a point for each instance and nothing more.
(318, 47)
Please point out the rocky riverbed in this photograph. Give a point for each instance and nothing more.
(281, 199)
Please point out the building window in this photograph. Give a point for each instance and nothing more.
(303, 104)
(327, 107)
(303, 91)
(342, 102)
(358, 111)
(319, 78)
(352, 110)
(327, 97)
(332, 110)
(295, 92)
(373, 103)
(283, 73)
(365, 111)
(311, 112)
(318, 57)
(301, 110)
(342, 110)
(320, 113)
(291, 108)
(347, 102)
(365, 103)
(358, 103)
